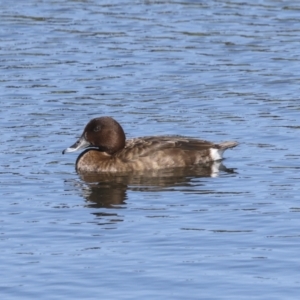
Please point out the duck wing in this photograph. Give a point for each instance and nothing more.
(146, 146)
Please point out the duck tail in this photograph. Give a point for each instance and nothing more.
(226, 145)
(216, 153)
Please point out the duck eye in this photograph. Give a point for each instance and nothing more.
(97, 128)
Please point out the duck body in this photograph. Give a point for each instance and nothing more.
(111, 153)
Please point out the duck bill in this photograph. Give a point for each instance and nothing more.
(80, 144)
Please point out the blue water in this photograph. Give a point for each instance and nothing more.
(217, 70)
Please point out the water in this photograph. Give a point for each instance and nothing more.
(219, 70)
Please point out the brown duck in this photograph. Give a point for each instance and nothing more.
(108, 150)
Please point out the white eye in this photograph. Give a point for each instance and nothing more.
(97, 128)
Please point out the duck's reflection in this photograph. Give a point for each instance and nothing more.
(104, 193)
(110, 190)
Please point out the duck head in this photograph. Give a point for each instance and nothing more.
(103, 133)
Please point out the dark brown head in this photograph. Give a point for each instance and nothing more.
(104, 133)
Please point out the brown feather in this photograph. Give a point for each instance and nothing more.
(114, 154)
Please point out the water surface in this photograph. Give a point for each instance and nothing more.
(221, 70)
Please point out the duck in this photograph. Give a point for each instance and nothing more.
(108, 151)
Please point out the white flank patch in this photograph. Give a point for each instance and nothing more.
(216, 154)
